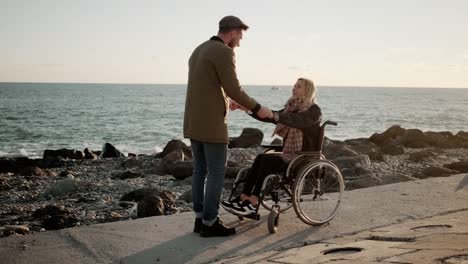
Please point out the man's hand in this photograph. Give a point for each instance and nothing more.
(233, 105)
(265, 112)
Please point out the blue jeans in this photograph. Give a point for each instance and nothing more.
(209, 161)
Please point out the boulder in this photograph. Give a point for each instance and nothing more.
(463, 135)
(359, 142)
(413, 138)
(51, 162)
(333, 151)
(176, 145)
(150, 205)
(171, 158)
(394, 178)
(89, 154)
(435, 171)
(62, 188)
(390, 134)
(109, 151)
(127, 175)
(16, 164)
(364, 181)
(181, 169)
(419, 156)
(137, 195)
(370, 150)
(64, 153)
(250, 137)
(461, 166)
(131, 162)
(50, 210)
(186, 196)
(231, 172)
(392, 148)
(277, 141)
(56, 222)
(361, 160)
(242, 156)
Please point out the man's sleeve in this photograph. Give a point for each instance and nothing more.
(226, 68)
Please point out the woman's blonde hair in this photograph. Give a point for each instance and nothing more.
(310, 91)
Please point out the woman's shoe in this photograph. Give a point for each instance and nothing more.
(228, 205)
(243, 208)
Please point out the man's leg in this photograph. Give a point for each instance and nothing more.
(198, 178)
(215, 156)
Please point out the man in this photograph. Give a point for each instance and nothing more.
(212, 81)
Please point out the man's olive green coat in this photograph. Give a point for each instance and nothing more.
(212, 79)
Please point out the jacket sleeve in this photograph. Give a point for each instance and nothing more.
(225, 64)
(267, 120)
(301, 119)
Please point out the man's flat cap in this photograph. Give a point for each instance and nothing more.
(232, 22)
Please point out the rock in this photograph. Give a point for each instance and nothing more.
(137, 195)
(419, 156)
(391, 148)
(65, 173)
(64, 153)
(435, 171)
(242, 156)
(168, 161)
(56, 222)
(186, 196)
(370, 150)
(51, 162)
(90, 155)
(438, 139)
(150, 205)
(333, 151)
(231, 172)
(352, 162)
(461, 166)
(131, 162)
(19, 229)
(16, 164)
(390, 134)
(62, 188)
(353, 172)
(33, 171)
(50, 210)
(412, 137)
(181, 169)
(277, 141)
(109, 151)
(4, 184)
(463, 135)
(250, 137)
(359, 142)
(365, 181)
(176, 145)
(126, 204)
(126, 175)
(395, 177)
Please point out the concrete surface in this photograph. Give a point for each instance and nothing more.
(169, 239)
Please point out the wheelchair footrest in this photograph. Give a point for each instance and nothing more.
(254, 216)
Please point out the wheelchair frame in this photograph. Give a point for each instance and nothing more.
(298, 169)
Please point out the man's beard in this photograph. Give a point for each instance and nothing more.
(232, 44)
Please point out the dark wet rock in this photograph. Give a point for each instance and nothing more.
(109, 151)
(390, 134)
(90, 155)
(131, 162)
(4, 184)
(50, 210)
(169, 160)
(65, 173)
(18, 229)
(370, 150)
(181, 169)
(176, 145)
(365, 181)
(411, 136)
(438, 139)
(352, 162)
(126, 175)
(353, 172)
(435, 171)
(126, 204)
(62, 188)
(250, 137)
(51, 162)
(338, 150)
(392, 148)
(16, 164)
(463, 135)
(418, 144)
(277, 141)
(57, 222)
(186, 196)
(359, 142)
(461, 166)
(64, 153)
(137, 195)
(150, 205)
(422, 155)
(231, 172)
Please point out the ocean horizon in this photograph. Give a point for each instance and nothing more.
(142, 118)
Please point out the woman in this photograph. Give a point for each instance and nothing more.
(299, 126)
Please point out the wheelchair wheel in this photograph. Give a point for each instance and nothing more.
(317, 192)
(275, 191)
(273, 220)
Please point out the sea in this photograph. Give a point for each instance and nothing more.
(142, 118)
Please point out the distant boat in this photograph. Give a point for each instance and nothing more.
(275, 88)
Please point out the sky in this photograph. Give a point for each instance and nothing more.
(397, 43)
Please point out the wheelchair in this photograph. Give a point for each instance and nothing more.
(312, 185)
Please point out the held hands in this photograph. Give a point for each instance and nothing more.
(264, 112)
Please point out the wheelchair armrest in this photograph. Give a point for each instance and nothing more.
(273, 147)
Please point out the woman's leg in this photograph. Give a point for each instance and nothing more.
(270, 164)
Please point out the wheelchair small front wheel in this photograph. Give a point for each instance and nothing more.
(273, 220)
(317, 192)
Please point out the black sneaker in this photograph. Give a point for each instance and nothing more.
(198, 225)
(243, 208)
(217, 230)
(227, 205)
